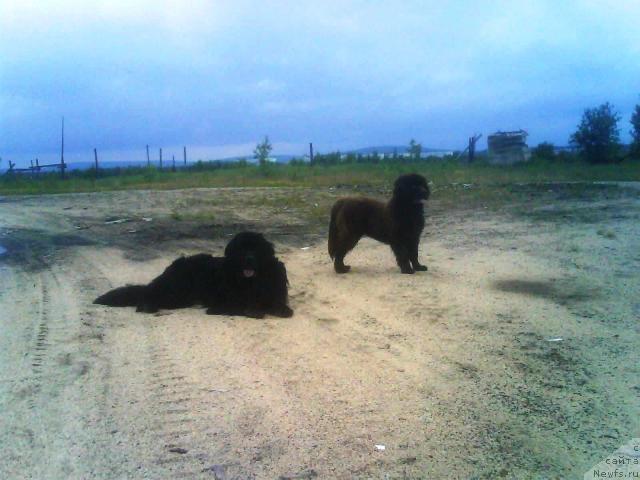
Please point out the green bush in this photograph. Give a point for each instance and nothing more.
(544, 150)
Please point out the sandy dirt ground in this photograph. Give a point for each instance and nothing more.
(517, 355)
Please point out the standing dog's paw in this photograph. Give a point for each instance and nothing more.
(342, 268)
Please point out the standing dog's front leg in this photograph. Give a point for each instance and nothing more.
(413, 256)
(402, 257)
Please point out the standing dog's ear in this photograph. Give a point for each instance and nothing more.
(426, 192)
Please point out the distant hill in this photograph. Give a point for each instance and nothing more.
(114, 164)
(250, 159)
(389, 149)
(155, 163)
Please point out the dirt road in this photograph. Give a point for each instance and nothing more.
(516, 355)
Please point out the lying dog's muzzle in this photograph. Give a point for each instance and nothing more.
(248, 272)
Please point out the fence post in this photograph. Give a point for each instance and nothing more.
(148, 159)
(173, 165)
(62, 164)
(310, 153)
(161, 159)
(184, 149)
(95, 156)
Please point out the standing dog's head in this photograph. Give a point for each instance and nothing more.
(248, 252)
(411, 187)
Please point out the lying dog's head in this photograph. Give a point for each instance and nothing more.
(249, 251)
(411, 187)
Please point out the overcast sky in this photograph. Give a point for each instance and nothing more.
(219, 75)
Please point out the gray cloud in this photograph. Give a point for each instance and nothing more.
(341, 74)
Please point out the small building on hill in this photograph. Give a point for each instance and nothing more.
(506, 148)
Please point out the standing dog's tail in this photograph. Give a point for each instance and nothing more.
(333, 229)
(129, 296)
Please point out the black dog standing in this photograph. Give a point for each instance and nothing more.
(249, 280)
(398, 223)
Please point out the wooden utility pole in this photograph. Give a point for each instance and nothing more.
(95, 156)
(472, 146)
(148, 159)
(173, 165)
(310, 152)
(62, 164)
(160, 159)
(184, 151)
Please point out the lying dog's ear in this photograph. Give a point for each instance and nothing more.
(267, 250)
(245, 241)
(231, 247)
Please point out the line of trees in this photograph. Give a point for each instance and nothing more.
(413, 153)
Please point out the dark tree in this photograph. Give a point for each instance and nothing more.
(635, 132)
(598, 135)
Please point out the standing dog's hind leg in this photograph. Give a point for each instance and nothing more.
(345, 246)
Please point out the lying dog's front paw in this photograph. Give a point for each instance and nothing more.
(147, 308)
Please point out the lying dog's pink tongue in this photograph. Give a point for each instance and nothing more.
(248, 272)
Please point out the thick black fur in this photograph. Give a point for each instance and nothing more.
(249, 280)
(398, 223)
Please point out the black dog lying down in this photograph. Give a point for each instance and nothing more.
(249, 280)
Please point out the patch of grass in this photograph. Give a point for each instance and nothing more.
(606, 233)
(200, 216)
(462, 177)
